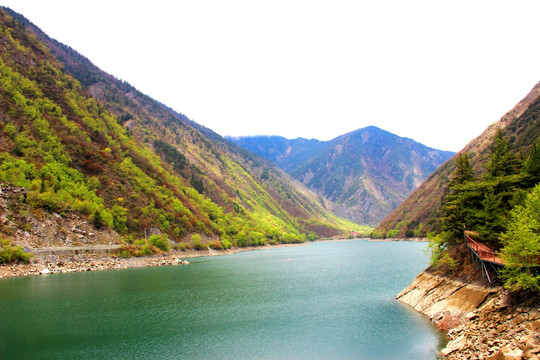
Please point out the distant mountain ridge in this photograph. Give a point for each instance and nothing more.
(285, 153)
(365, 174)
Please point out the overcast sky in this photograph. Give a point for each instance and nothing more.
(438, 72)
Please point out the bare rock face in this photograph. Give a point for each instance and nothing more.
(479, 320)
(35, 228)
(440, 297)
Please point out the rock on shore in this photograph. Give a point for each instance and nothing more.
(479, 320)
(62, 260)
(65, 264)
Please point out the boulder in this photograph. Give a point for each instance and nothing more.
(507, 353)
(497, 356)
(457, 344)
(512, 353)
(535, 325)
(518, 319)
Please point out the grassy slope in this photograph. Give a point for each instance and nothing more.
(96, 149)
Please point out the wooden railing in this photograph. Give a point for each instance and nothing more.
(482, 250)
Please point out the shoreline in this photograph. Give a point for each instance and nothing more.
(45, 264)
(480, 320)
(62, 259)
(412, 239)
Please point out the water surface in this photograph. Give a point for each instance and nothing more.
(328, 300)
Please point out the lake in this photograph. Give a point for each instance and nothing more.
(327, 300)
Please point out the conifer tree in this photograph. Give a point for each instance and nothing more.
(532, 165)
(503, 161)
(458, 207)
(97, 220)
(491, 218)
(463, 172)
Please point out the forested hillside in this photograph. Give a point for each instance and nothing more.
(491, 189)
(80, 141)
(365, 174)
(421, 212)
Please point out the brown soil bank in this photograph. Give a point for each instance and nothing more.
(481, 321)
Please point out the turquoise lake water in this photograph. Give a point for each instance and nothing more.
(327, 300)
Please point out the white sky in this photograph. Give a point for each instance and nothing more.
(438, 72)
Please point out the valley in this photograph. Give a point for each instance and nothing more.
(97, 175)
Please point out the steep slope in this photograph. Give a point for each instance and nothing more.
(366, 173)
(100, 148)
(420, 213)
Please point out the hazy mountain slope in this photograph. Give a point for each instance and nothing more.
(365, 174)
(285, 153)
(421, 212)
(111, 153)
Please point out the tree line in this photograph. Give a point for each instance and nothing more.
(502, 206)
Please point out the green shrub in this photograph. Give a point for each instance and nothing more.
(130, 250)
(449, 262)
(145, 251)
(288, 238)
(521, 242)
(123, 254)
(181, 247)
(125, 251)
(436, 248)
(196, 242)
(10, 253)
(225, 243)
(242, 240)
(216, 245)
(159, 241)
(257, 238)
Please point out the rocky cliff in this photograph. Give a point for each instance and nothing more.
(481, 321)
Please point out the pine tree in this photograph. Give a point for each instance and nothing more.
(492, 220)
(459, 202)
(463, 172)
(532, 165)
(503, 161)
(97, 220)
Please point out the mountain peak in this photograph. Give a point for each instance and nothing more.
(366, 173)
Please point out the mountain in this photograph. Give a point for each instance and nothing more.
(421, 212)
(285, 153)
(365, 174)
(78, 141)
